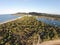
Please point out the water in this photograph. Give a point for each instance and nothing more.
(50, 21)
(7, 17)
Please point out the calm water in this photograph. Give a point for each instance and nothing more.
(7, 17)
(50, 21)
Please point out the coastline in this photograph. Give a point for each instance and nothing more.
(10, 20)
(14, 19)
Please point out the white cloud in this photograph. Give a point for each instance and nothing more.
(12, 10)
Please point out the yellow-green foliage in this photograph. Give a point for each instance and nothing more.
(25, 30)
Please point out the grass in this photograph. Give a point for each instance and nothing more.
(26, 30)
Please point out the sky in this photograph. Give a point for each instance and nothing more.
(43, 6)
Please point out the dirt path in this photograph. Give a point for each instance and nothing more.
(53, 42)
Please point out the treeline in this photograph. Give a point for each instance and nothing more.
(38, 14)
(44, 14)
(26, 30)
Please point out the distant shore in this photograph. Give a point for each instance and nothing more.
(48, 16)
(53, 18)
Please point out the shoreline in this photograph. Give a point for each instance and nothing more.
(14, 19)
(10, 20)
(49, 18)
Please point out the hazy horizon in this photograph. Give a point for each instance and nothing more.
(42, 6)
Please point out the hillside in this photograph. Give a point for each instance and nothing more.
(27, 31)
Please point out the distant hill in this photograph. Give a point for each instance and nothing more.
(21, 13)
(27, 31)
(38, 14)
(44, 14)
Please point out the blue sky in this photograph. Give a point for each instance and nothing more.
(44, 6)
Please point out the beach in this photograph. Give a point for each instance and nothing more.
(10, 20)
(14, 19)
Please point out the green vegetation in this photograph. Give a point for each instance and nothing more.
(26, 30)
(49, 16)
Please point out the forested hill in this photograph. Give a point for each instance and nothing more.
(26, 31)
(38, 14)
